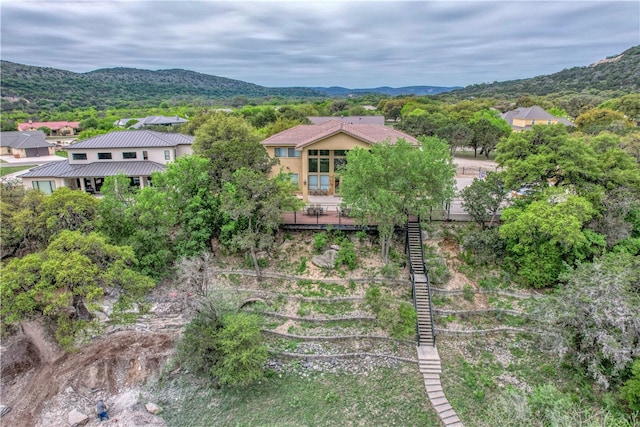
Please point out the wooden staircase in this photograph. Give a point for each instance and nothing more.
(420, 279)
(428, 357)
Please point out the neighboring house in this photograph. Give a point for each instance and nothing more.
(524, 118)
(57, 128)
(353, 120)
(25, 144)
(151, 121)
(313, 153)
(134, 153)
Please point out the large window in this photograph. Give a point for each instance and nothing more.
(104, 156)
(319, 169)
(79, 156)
(46, 187)
(167, 155)
(280, 152)
(129, 155)
(294, 178)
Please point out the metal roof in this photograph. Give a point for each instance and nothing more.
(134, 139)
(352, 120)
(151, 121)
(26, 139)
(96, 169)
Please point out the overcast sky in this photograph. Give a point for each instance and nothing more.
(355, 44)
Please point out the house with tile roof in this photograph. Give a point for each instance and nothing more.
(134, 153)
(524, 118)
(25, 144)
(57, 128)
(312, 154)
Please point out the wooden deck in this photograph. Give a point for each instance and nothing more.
(318, 219)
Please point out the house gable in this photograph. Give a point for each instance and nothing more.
(314, 153)
(524, 118)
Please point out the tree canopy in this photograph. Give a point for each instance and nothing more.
(386, 183)
(68, 279)
(253, 204)
(593, 317)
(230, 143)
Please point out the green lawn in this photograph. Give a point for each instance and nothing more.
(379, 397)
(62, 153)
(6, 170)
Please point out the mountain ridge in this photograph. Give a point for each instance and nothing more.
(32, 88)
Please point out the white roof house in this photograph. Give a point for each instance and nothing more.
(134, 153)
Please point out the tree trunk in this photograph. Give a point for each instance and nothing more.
(385, 242)
(256, 266)
(493, 217)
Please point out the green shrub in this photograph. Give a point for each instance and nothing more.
(484, 246)
(390, 270)
(230, 351)
(405, 325)
(319, 242)
(467, 292)
(197, 350)
(438, 270)
(630, 391)
(399, 319)
(373, 297)
(302, 267)
(346, 254)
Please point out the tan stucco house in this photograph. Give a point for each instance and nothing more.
(135, 153)
(57, 128)
(25, 144)
(524, 118)
(313, 153)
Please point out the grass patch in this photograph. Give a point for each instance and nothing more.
(6, 170)
(328, 308)
(62, 153)
(382, 397)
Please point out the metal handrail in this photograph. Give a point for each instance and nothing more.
(426, 272)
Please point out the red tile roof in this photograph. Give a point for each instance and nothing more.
(50, 125)
(303, 135)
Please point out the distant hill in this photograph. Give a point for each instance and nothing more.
(386, 90)
(619, 74)
(32, 88)
(25, 87)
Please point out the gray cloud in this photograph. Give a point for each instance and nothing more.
(352, 44)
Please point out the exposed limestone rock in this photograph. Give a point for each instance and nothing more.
(326, 260)
(153, 408)
(77, 418)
